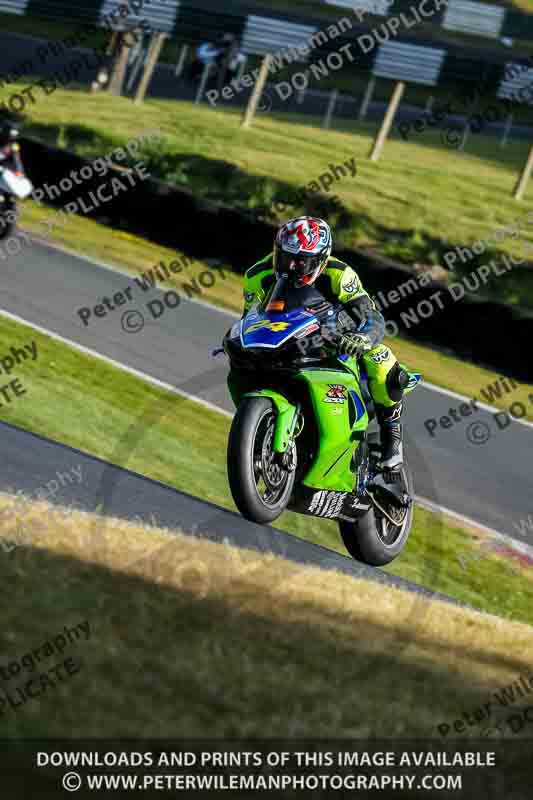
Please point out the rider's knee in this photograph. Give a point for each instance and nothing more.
(397, 382)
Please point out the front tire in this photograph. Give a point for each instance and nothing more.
(7, 219)
(261, 488)
(372, 539)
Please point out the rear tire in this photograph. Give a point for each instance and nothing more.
(364, 539)
(250, 459)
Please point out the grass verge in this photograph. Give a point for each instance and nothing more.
(227, 643)
(132, 254)
(85, 403)
(389, 206)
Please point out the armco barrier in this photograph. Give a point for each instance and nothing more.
(486, 333)
(398, 57)
(484, 20)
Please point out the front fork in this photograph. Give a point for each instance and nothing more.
(285, 429)
(286, 458)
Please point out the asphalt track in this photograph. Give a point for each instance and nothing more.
(489, 483)
(30, 462)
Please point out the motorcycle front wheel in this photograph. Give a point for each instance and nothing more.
(260, 486)
(7, 219)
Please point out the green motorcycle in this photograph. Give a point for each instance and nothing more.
(299, 439)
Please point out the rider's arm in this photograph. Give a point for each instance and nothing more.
(359, 306)
(371, 322)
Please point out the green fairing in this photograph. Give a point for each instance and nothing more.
(338, 440)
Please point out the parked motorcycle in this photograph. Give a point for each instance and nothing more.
(14, 185)
(300, 438)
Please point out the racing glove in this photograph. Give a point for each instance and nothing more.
(354, 344)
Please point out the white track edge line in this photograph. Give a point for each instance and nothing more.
(110, 268)
(484, 406)
(212, 407)
(515, 544)
(131, 370)
(117, 270)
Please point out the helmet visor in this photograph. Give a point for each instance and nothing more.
(299, 269)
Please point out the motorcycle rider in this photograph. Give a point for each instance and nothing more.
(9, 147)
(302, 251)
(10, 157)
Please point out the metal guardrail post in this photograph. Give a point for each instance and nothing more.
(524, 177)
(388, 119)
(330, 109)
(203, 83)
(240, 72)
(367, 98)
(472, 112)
(464, 139)
(253, 102)
(507, 129)
(181, 60)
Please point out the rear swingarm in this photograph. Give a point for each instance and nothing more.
(392, 503)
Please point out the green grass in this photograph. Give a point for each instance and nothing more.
(78, 400)
(187, 638)
(233, 644)
(420, 200)
(114, 125)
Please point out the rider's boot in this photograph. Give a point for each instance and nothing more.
(389, 419)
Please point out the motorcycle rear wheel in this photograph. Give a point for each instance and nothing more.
(260, 486)
(374, 540)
